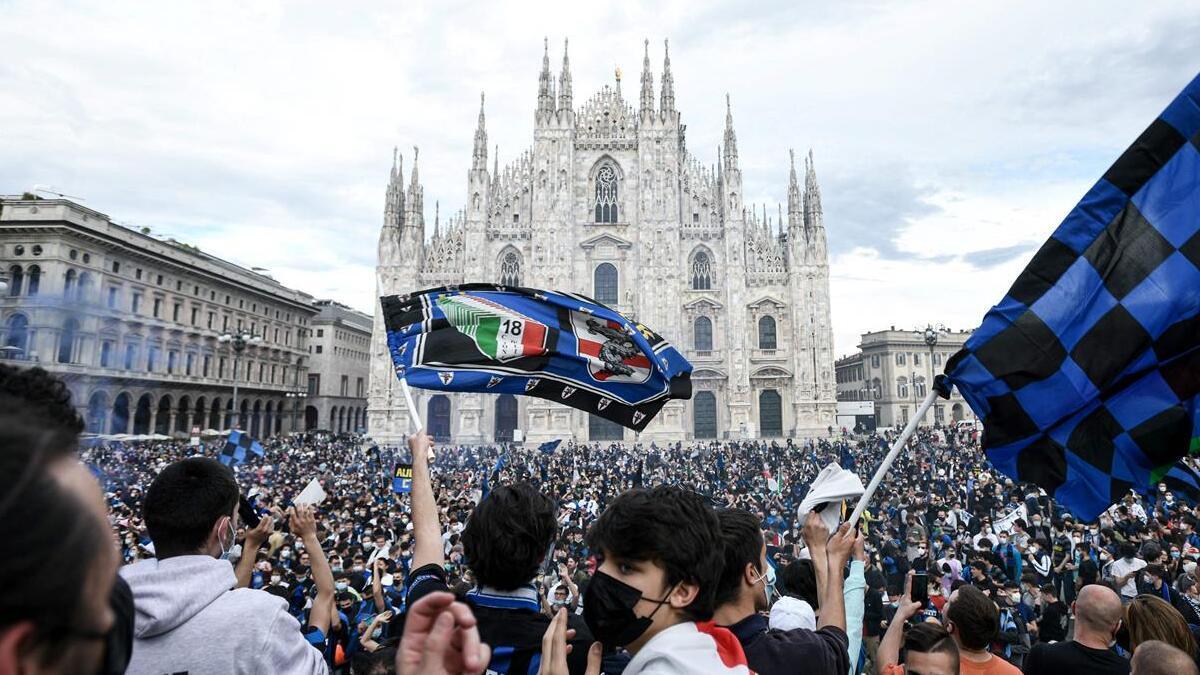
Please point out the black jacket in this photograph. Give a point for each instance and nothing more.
(826, 650)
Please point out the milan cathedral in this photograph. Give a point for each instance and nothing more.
(610, 202)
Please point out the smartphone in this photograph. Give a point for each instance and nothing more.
(920, 588)
(247, 513)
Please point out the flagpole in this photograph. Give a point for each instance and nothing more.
(891, 456)
(412, 407)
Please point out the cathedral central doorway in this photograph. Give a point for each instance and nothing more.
(506, 417)
(704, 415)
(601, 429)
(439, 418)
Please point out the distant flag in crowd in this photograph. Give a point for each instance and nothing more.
(847, 459)
(549, 447)
(1085, 374)
(402, 479)
(557, 346)
(494, 476)
(236, 446)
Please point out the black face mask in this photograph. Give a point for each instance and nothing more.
(608, 610)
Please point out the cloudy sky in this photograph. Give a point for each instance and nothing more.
(950, 138)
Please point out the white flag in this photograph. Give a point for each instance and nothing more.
(311, 494)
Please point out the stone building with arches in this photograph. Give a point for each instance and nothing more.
(130, 322)
(338, 347)
(610, 202)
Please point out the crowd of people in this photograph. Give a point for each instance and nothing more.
(690, 557)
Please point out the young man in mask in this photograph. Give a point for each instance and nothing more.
(746, 590)
(661, 559)
(190, 616)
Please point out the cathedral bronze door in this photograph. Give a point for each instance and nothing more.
(506, 417)
(439, 418)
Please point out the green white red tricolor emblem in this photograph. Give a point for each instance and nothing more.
(498, 332)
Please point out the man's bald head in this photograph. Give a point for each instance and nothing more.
(1155, 657)
(1098, 608)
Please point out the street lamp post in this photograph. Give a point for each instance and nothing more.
(238, 342)
(930, 335)
(295, 394)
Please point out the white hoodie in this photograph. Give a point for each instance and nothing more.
(190, 618)
(690, 648)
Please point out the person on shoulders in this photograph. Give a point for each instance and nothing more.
(186, 599)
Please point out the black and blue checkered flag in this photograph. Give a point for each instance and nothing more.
(1087, 374)
(237, 446)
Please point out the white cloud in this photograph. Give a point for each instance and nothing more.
(948, 135)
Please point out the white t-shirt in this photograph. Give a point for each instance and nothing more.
(1120, 568)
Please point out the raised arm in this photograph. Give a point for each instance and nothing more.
(816, 537)
(833, 602)
(889, 646)
(377, 571)
(427, 528)
(304, 526)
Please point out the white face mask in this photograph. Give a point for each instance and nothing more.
(768, 579)
(275, 579)
(227, 552)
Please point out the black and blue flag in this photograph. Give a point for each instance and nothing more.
(1087, 374)
(236, 447)
(557, 346)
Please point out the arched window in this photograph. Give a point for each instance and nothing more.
(606, 195)
(510, 269)
(766, 333)
(69, 284)
(899, 359)
(702, 272)
(902, 387)
(605, 279)
(35, 279)
(85, 286)
(17, 333)
(702, 330)
(15, 279)
(66, 341)
(919, 386)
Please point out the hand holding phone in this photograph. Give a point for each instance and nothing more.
(920, 588)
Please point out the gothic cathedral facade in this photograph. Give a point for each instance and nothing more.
(609, 202)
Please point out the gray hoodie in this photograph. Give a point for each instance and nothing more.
(191, 619)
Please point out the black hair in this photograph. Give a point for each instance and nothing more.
(184, 502)
(41, 396)
(975, 616)
(507, 535)
(379, 662)
(51, 536)
(930, 638)
(743, 541)
(670, 526)
(798, 579)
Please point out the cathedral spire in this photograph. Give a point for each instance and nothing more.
(545, 98)
(564, 82)
(813, 215)
(795, 206)
(437, 215)
(415, 195)
(731, 156)
(666, 102)
(393, 210)
(647, 83)
(479, 155)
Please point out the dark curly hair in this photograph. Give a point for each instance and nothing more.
(43, 395)
(670, 526)
(743, 539)
(508, 535)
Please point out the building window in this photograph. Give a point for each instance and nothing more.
(605, 281)
(702, 332)
(937, 358)
(345, 385)
(899, 359)
(70, 284)
(211, 317)
(314, 385)
(939, 414)
(875, 361)
(15, 278)
(35, 279)
(916, 358)
(702, 271)
(320, 332)
(106, 354)
(766, 333)
(112, 298)
(318, 349)
(172, 361)
(189, 364)
(695, 218)
(358, 387)
(17, 333)
(510, 269)
(877, 389)
(207, 363)
(37, 249)
(159, 282)
(606, 195)
(221, 367)
(130, 356)
(195, 315)
(273, 373)
(116, 267)
(151, 359)
(135, 303)
(175, 313)
(157, 307)
(137, 274)
(902, 387)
